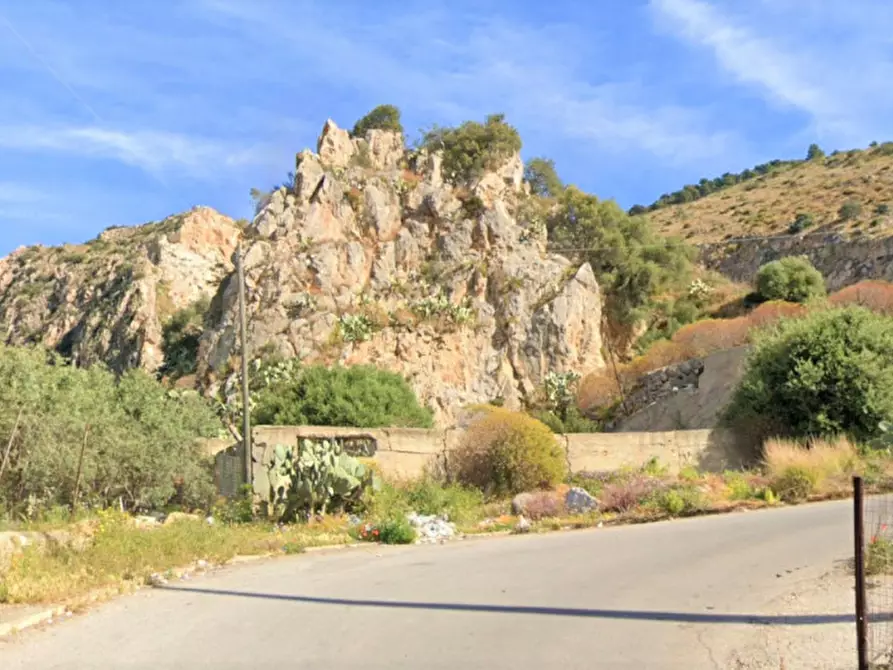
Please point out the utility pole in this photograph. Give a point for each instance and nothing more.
(246, 396)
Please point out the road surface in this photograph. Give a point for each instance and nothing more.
(684, 594)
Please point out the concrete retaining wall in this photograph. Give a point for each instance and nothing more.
(408, 453)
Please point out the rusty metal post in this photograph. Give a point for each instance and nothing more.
(859, 539)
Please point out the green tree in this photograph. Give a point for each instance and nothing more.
(359, 396)
(632, 263)
(793, 279)
(828, 373)
(383, 117)
(540, 173)
(814, 153)
(849, 210)
(472, 148)
(140, 448)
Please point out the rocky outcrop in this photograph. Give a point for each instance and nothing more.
(842, 259)
(374, 257)
(108, 300)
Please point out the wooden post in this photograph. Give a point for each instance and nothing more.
(859, 539)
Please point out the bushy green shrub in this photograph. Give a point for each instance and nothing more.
(505, 452)
(140, 439)
(472, 148)
(849, 210)
(361, 396)
(632, 263)
(181, 337)
(544, 181)
(794, 484)
(801, 223)
(793, 279)
(383, 117)
(828, 373)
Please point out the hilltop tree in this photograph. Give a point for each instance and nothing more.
(540, 173)
(383, 117)
(472, 148)
(814, 152)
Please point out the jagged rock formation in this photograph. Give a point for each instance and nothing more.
(107, 300)
(374, 257)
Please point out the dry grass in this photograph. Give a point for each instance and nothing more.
(768, 205)
(873, 294)
(826, 458)
(122, 555)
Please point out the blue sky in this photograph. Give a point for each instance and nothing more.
(124, 111)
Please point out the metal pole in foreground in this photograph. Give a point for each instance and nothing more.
(246, 405)
(859, 538)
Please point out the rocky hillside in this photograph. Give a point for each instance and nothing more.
(109, 299)
(846, 193)
(371, 256)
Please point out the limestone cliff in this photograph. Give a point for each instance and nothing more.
(107, 300)
(375, 257)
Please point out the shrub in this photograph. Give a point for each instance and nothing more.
(793, 279)
(828, 373)
(801, 223)
(599, 389)
(770, 313)
(882, 209)
(393, 530)
(682, 501)
(814, 152)
(794, 484)
(632, 263)
(540, 173)
(705, 337)
(473, 148)
(849, 210)
(505, 452)
(875, 295)
(458, 503)
(739, 486)
(383, 117)
(360, 396)
(181, 337)
(624, 496)
(140, 448)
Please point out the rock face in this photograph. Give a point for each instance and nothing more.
(372, 256)
(842, 259)
(108, 300)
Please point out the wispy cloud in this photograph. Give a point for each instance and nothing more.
(152, 151)
(824, 58)
(534, 73)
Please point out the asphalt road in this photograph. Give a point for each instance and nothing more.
(678, 594)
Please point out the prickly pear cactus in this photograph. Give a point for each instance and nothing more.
(315, 478)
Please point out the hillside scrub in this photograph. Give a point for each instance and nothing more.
(472, 148)
(695, 340)
(138, 438)
(361, 396)
(872, 294)
(383, 117)
(505, 452)
(793, 279)
(632, 263)
(828, 373)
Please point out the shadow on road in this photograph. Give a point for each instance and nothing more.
(623, 615)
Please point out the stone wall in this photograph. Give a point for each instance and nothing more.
(842, 260)
(407, 453)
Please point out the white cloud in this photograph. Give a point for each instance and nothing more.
(828, 59)
(474, 66)
(152, 151)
